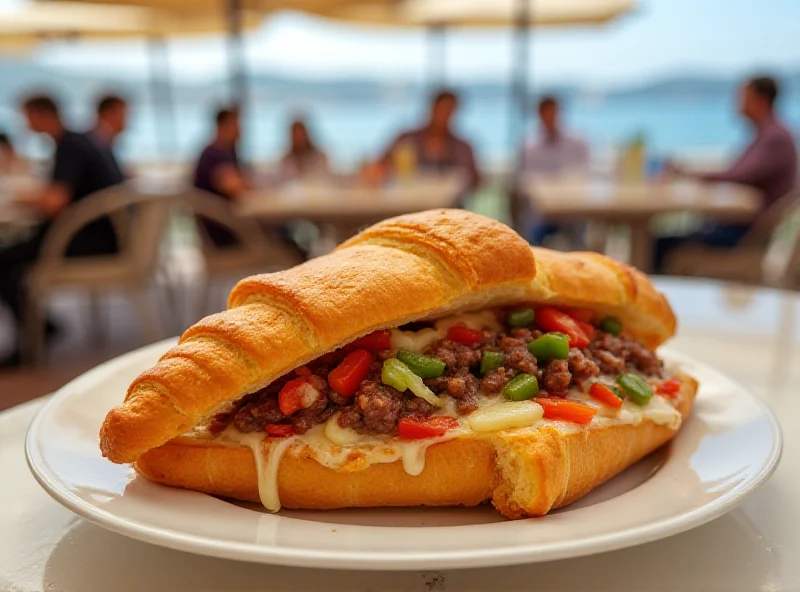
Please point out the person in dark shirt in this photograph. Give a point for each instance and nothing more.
(79, 169)
(218, 172)
(768, 164)
(112, 118)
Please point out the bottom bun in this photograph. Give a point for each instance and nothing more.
(523, 474)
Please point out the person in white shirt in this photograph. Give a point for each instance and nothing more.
(553, 153)
(303, 159)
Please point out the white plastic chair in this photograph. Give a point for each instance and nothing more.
(256, 251)
(141, 221)
(748, 262)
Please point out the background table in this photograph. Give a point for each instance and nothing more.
(349, 206)
(751, 334)
(636, 204)
(11, 186)
(11, 215)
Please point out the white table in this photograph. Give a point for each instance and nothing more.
(636, 204)
(11, 215)
(752, 335)
(11, 186)
(351, 205)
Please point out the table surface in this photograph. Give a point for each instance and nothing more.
(753, 335)
(10, 186)
(11, 215)
(329, 201)
(598, 198)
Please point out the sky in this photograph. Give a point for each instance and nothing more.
(661, 38)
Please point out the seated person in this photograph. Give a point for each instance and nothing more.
(434, 146)
(768, 164)
(112, 117)
(79, 170)
(303, 159)
(218, 172)
(554, 152)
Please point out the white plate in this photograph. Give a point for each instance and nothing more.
(729, 446)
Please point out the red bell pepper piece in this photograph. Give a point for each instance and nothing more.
(413, 428)
(464, 335)
(567, 410)
(347, 376)
(553, 320)
(584, 315)
(297, 394)
(279, 430)
(303, 371)
(376, 341)
(588, 329)
(669, 388)
(604, 394)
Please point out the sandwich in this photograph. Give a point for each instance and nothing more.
(435, 359)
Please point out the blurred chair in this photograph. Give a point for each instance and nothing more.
(256, 251)
(749, 262)
(141, 221)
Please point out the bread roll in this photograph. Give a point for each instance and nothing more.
(416, 267)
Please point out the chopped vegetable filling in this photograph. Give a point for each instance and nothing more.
(373, 387)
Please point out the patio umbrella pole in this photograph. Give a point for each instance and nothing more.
(165, 127)
(519, 100)
(236, 55)
(437, 55)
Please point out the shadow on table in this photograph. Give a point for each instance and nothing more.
(91, 559)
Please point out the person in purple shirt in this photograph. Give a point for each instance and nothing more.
(768, 164)
(218, 172)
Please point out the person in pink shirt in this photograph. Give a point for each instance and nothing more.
(768, 164)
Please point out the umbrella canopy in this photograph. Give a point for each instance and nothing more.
(38, 21)
(64, 20)
(181, 6)
(476, 13)
(12, 47)
(198, 6)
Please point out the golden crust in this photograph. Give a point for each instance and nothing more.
(591, 280)
(407, 268)
(457, 472)
(522, 475)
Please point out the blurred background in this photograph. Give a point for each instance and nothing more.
(248, 135)
(668, 70)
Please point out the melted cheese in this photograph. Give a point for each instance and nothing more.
(267, 463)
(418, 341)
(659, 410)
(371, 450)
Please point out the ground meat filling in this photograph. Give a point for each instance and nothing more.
(616, 354)
(376, 408)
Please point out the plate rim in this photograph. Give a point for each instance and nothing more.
(384, 560)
